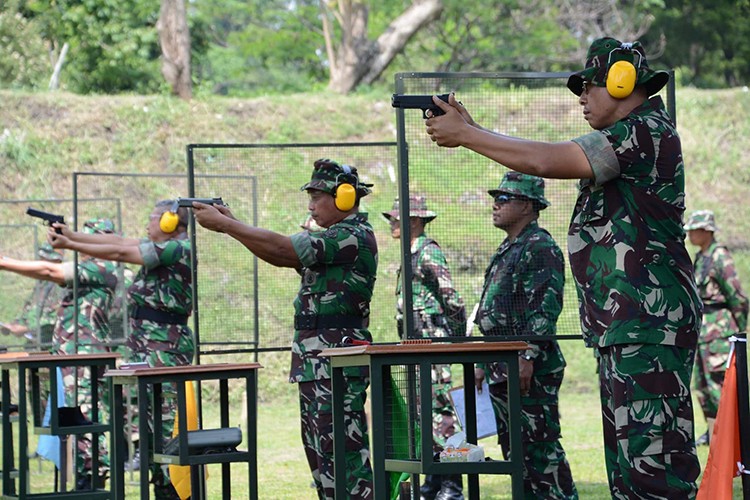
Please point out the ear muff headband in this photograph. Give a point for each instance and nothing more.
(170, 220)
(345, 195)
(622, 75)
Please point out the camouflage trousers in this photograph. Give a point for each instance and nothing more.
(316, 418)
(77, 383)
(443, 417)
(647, 412)
(708, 375)
(178, 352)
(546, 471)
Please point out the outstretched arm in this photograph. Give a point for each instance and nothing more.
(274, 248)
(558, 160)
(36, 269)
(100, 238)
(120, 252)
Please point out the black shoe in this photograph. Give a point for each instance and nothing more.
(451, 488)
(703, 440)
(83, 483)
(430, 487)
(71, 416)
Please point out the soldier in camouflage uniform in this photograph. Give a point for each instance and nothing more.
(438, 311)
(638, 300)
(159, 301)
(338, 267)
(39, 315)
(725, 308)
(523, 295)
(84, 333)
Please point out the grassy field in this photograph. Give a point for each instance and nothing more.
(45, 137)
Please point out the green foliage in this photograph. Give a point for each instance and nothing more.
(22, 52)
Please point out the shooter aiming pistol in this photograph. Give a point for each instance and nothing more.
(423, 102)
(48, 218)
(188, 202)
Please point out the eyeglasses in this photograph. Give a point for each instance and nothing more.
(502, 199)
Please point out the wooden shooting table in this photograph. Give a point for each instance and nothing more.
(417, 358)
(149, 381)
(31, 364)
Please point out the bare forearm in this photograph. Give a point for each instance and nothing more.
(107, 251)
(103, 239)
(36, 269)
(274, 248)
(561, 160)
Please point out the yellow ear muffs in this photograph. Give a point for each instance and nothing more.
(345, 197)
(621, 79)
(170, 220)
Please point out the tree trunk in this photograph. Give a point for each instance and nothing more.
(174, 37)
(360, 60)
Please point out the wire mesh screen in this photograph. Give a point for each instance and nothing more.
(20, 238)
(455, 181)
(246, 294)
(225, 303)
(402, 414)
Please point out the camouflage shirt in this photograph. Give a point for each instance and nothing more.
(97, 280)
(523, 295)
(164, 283)
(633, 274)
(338, 277)
(438, 308)
(726, 305)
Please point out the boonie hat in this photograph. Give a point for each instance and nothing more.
(528, 186)
(417, 208)
(46, 252)
(701, 219)
(98, 226)
(328, 175)
(606, 51)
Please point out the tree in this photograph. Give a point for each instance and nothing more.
(174, 38)
(353, 57)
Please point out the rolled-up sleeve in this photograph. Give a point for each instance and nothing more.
(69, 274)
(601, 156)
(149, 254)
(303, 248)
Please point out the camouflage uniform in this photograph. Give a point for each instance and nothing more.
(338, 276)
(40, 311)
(160, 301)
(725, 309)
(638, 300)
(97, 280)
(523, 295)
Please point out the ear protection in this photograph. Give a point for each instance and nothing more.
(622, 75)
(345, 194)
(170, 220)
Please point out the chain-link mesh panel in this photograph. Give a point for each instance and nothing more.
(402, 414)
(455, 181)
(248, 296)
(22, 241)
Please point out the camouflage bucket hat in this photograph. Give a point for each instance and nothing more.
(328, 174)
(701, 219)
(528, 186)
(98, 226)
(417, 208)
(46, 252)
(606, 51)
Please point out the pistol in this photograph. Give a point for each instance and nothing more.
(188, 202)
(47, 217)
(423, 102)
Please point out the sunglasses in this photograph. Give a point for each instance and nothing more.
(502, 199)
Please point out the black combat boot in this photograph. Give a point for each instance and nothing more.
(430, 488)
(451, 488)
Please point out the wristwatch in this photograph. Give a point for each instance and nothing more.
(525, 356)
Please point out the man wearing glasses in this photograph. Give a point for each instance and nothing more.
(523, 295)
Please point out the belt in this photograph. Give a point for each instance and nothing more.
(714, 307)
(316, 322)
(157, 316)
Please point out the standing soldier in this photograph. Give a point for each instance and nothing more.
(84, 332)
(725, 308)
(160, 300)
(523, 295)
(438, 311)
(39, 315)
(338, 267)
